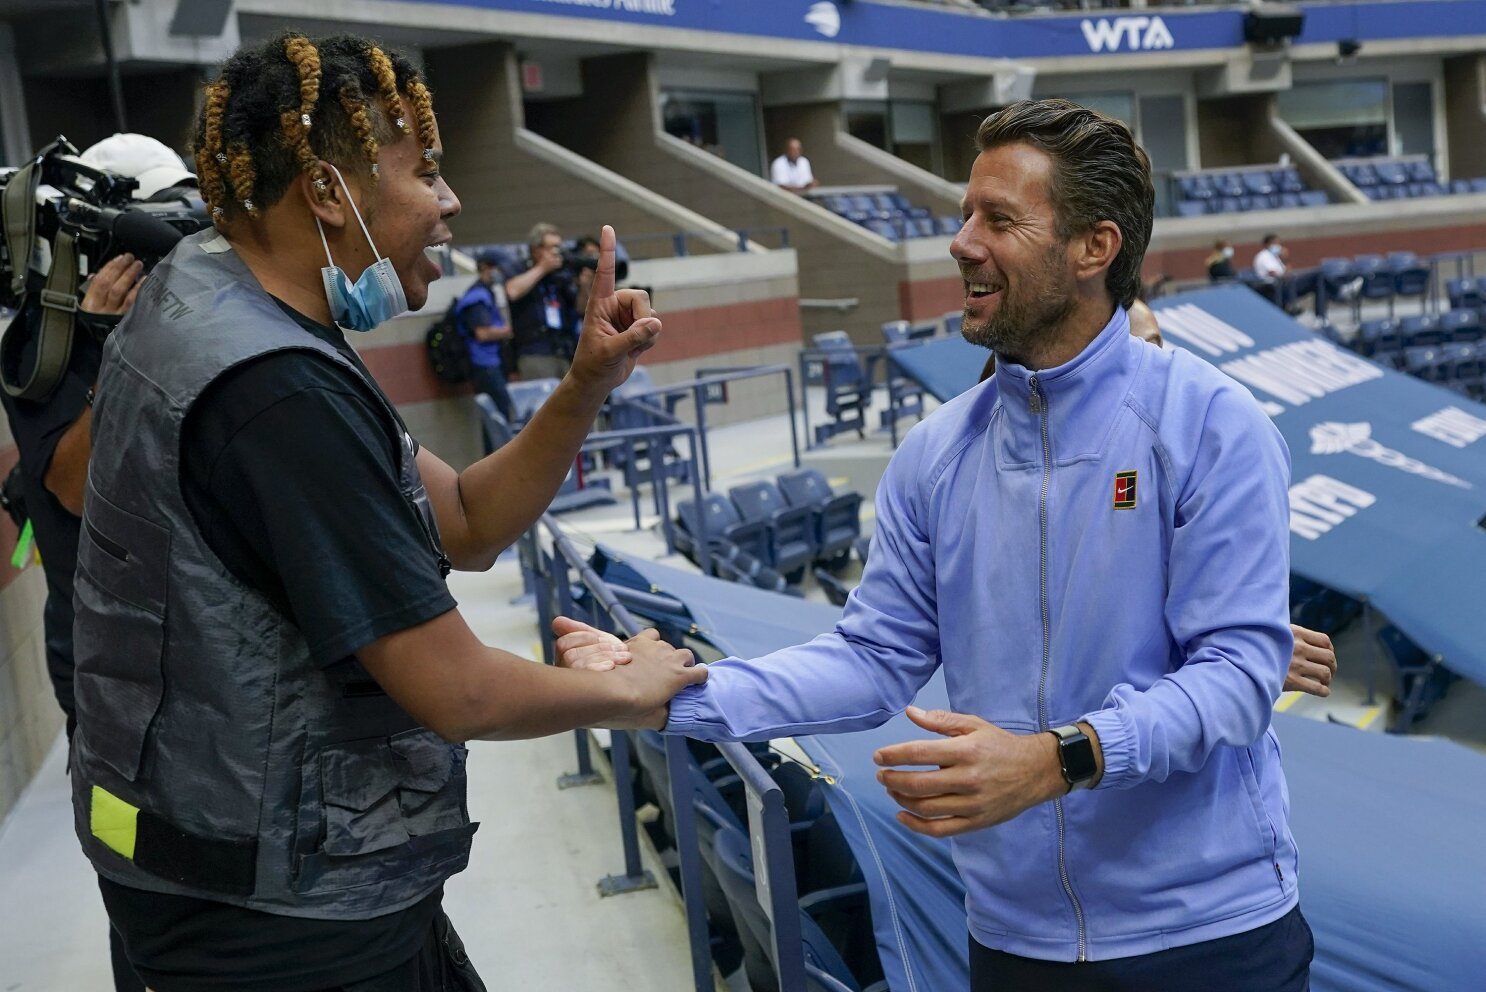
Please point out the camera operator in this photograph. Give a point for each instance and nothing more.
(53, 435)
(544, 306)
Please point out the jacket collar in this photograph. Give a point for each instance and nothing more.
(1080, 398)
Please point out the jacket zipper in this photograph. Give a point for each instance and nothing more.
(1038, 404)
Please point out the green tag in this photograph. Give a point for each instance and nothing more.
(22, 556)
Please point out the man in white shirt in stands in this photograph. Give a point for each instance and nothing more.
(1269, 263)
(792, 169)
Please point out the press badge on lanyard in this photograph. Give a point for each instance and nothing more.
(554, 313)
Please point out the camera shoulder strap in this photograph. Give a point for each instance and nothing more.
(58, 299)
(18, 208)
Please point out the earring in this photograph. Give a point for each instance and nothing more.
(304, 119)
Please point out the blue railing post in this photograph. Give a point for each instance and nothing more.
(688, 850)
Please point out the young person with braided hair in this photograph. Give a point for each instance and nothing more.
(273, 682)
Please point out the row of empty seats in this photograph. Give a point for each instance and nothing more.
(834, 919)
(1403, 178)
(889, 214)
(766, 533)
(1221, 191)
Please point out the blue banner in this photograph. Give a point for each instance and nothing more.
(948, 32)
(1388, 476)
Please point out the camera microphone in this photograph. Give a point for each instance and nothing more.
(134, 231)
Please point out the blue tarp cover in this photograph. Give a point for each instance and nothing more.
(1388, 479)
(1389, 828)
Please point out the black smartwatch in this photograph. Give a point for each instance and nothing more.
(1076, 755)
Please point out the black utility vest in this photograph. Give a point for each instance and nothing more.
(214, 757)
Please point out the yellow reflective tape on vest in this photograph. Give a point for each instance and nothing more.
(114, 822)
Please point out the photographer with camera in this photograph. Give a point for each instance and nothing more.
(274, 682)
(52, 434)
(544, 305)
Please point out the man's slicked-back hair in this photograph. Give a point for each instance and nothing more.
(1099, 173)
(278, 108)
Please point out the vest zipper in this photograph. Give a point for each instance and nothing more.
(1038, 405)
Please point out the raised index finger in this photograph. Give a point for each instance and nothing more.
(603, 278)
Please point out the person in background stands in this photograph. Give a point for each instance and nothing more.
(791, 170)
(543, 307)
(484, 322)
(1220, 262)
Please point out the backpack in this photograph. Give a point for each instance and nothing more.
(448, 355)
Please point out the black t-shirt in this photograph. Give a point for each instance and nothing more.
(37, 428)
(290, 473)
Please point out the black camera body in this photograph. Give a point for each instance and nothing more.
(574, 262)
(99, 210)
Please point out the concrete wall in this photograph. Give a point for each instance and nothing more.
(503, 185)
(1235, 131)
(29, 716)
(1465, 112)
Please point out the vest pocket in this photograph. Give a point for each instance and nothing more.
(119, 638)
(386, 800)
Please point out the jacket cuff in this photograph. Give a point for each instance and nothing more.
(688, 711)
(1117, 744)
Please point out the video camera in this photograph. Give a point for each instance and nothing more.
(96, 209)
(573, 262)
(61, 220)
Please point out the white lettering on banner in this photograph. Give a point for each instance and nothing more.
(1320, 502)
(824, 18)
(1302, 371)
(1453, 426)
(1193, 325)
(1137, 33)
(660, 8)
(1331, 438)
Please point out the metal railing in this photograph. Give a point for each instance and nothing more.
(768, 819)
(712, 388)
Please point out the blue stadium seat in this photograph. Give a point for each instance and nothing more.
(724, 523)
(885, 228)
(837, 516)
(1227, 184)
(1410, 276)
(1314, 198)
(1459, 186)
(1288, 181)
(1478, 185)
(1429, 188)
(1377, 336)
(900, 201)
(1229, 205)
(1421, 331)
(1191, 208)
(1470, 368)
(1419, 682)
(1391, 173)
(1420, 171)
(952, 322)
(950, 225)
(1431, 364)
(1461, 326)
(1289, 201)
(791, 529)
(848, 392)
(1361, 175)
(1258, 183)
(1465, 293)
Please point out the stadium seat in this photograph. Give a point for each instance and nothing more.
(836, 591)
(1290, 201)
(1289, 181)
(1419, 681)
(1228, 185)
(1466, 294)
(527, 396)
(1459, 186)
(837, 516)
(791, 529)
(1377, 336)
(952, 322)
(1420, 171)
(1314, 198)
(848, 392)
(826, 969)
(1258, 183)
(885, 228)
(1478, 185)
(1421, 331)
(1430, 363)
(1191, 208)
(724, 523)
(950, 225)
(1461, 326)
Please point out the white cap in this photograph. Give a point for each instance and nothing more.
(139, 157)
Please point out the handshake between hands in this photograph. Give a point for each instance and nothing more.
(977, 774)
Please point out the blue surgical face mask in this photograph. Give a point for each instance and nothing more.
(375, 297)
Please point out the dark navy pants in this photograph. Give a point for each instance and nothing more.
(1273, 958)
